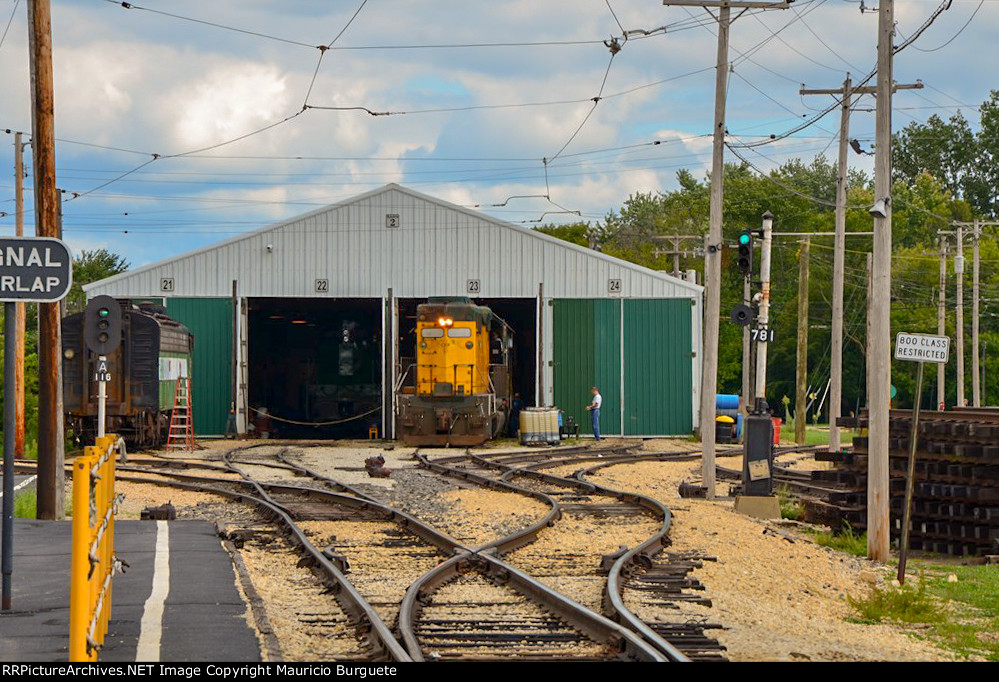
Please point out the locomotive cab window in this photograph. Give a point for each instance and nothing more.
(432, 333)
(459, 332)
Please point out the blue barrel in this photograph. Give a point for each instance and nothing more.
(726, 402)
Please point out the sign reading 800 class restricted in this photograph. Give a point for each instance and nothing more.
(34, 269)
(922, 348)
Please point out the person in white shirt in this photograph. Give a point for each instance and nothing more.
(594, 409)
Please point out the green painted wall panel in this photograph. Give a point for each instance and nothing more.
(572, 369)
(587, 353)
(607, 365)
(210, 320)
(657, 378)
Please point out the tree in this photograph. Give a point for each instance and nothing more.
(91, 266)
(965, 161)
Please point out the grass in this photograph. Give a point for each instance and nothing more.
(25, 504)
(790, 508)
(958, 607)
(954, 606)
(903, 604)
(815, 434)
(845, 541)
(971, 621)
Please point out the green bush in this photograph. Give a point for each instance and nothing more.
(904, 604)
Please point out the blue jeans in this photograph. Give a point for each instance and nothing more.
(595, 416)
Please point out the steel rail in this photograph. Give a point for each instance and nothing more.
(641, 553)
(593, 625)
(634, 646)
(383, 644)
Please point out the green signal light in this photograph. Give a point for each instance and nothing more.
(744, 238)
(103, 312)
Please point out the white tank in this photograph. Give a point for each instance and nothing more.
(539, 425)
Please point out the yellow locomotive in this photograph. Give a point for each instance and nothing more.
(458, 390)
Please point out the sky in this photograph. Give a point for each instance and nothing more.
(180, 124)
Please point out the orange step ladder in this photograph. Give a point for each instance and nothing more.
(181, 433)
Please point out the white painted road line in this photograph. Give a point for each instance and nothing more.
(26, 482)
(151, 628)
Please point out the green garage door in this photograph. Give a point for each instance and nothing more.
(587, 337)
(652, 392)
(657, 368)
(210, 320)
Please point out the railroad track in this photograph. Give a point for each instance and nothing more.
(324, 519)
(600, 570)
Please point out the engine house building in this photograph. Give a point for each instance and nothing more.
(305, 327)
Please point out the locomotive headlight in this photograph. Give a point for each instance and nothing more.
(423, 344)
(69, 353)
(445, 321)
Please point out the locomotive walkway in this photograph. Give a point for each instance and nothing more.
(193, 612)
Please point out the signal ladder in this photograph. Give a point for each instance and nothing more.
(181, 433)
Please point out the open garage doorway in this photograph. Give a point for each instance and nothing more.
(315, 367)
(519, 313)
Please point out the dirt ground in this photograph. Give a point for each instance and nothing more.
(780, 596)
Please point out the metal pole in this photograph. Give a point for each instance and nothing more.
(19, 307)
(712, 264)
(9, 362)
(879, 367)
(747, 387)
(102, 398)
(903, 543)
(764, 316)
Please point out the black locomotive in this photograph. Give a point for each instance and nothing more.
(154, 353)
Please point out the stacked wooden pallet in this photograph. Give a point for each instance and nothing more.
(956, 491)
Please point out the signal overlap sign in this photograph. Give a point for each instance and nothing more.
(34, 269)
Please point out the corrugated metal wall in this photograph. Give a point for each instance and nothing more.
(350, 249)
(638, 354)
(210, 320)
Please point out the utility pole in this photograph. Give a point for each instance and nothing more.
(959, 313)
(976, 380)
(19, 310)
(51, 453)
(942, 321)
(846, 94)
(712, 256)
(976, 387)
(675, 252)
(801, 366)
(879, 368)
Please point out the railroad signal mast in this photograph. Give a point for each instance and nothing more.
(758, 439)
(746, 253)
(102, 334)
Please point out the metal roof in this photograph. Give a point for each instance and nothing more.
(394, 237)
